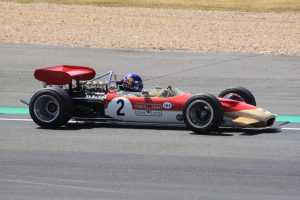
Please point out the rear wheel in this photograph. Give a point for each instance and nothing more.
(240, 94)
(50, 108)
(203, 113)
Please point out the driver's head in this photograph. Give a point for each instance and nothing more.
(132, 83)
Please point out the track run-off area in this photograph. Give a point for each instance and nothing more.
(94, 161)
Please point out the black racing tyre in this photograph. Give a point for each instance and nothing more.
(239, 94)
(50, 107)
(203, 113)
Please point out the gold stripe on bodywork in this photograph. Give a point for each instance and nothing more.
(245, 120)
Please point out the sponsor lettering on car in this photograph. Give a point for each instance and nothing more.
(148, 109)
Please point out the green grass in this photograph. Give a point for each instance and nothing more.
(228, 5)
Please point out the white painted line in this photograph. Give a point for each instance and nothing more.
(292, 129)
(11, 119)
(29, 120)
(59, 185)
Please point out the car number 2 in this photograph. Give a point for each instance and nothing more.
(120, 108)
(119, 111)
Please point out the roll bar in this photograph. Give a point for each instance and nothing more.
(110, 74)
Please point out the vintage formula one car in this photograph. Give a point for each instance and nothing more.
(73, 93)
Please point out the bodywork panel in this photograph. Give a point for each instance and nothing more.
(146, 109)
(241, 114)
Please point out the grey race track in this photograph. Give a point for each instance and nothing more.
(105, 162)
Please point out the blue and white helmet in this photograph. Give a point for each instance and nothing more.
(132, 83)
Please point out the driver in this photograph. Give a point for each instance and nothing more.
(131, 83)
(134, 83)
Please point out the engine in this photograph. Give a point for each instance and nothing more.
(94, 87)
(88, 99)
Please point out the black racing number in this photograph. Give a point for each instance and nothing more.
(119, 113)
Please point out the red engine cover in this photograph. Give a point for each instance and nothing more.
(63, 74)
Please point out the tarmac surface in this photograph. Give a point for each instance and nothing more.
(86, 161)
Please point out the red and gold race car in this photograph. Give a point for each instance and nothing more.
(74, 93)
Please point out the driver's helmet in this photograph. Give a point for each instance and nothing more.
(132, 83)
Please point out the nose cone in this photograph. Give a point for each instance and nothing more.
(252, 118)
(259, 117)
(268, 118)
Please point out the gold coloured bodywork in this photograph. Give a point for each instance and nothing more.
(253, 118)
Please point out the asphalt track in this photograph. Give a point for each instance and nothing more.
(107, 162)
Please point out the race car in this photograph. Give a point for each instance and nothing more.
(74, 93)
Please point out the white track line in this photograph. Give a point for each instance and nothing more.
(30, 120)
(292, 129)
(11, 119)
(58, 185)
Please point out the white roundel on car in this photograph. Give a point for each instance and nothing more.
(120, 108)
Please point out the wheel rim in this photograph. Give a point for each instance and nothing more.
(46, 108)
(200, 114)
(234, 96)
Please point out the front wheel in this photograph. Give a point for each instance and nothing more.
(203, 113)
(239, 94)
(50, 107)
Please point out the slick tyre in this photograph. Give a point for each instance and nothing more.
(203, 113)
(239, 94)
(50, 107)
